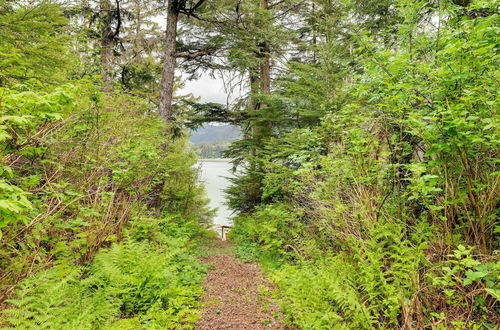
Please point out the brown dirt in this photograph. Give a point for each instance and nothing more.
(236, 295)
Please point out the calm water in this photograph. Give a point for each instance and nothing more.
(214, 174)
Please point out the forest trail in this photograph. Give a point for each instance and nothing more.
(237, 296)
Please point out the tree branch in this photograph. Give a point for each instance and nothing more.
(198, 4)
(118, 17)
(196, 53)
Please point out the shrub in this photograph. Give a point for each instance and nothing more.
(157, 285)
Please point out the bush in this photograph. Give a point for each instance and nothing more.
(156, 285)
(364, 206)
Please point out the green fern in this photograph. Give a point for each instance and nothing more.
(159, 285)
(321, 295)
(360, 288)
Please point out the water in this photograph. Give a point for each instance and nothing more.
(214, 174)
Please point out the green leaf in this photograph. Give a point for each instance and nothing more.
(495, 293)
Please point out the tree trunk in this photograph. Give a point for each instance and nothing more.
(106, 45)
(169, 64)
(260, 84)
(265, 63)
(254, 88)
(254, 104)
(264, 76)
(265, 70)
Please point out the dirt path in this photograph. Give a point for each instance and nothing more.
(236, 295)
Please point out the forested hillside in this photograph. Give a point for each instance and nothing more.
(211, 141)
(366, 182)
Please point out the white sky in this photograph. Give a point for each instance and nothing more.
(207, 88)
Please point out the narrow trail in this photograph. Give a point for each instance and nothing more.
(236, 294)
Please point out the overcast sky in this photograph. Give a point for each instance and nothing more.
(207, 88)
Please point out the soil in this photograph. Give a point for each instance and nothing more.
(237, 296)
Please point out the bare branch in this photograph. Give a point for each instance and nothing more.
(196, 53)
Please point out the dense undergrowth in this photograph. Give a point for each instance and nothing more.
(138, 283)
(100, 211)
(97, 216)
(368, 179)
(385, 213)
(101, 221)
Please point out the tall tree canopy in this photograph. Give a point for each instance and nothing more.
(365, 179)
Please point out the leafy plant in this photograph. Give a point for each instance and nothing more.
(159, 285)
(464, 280)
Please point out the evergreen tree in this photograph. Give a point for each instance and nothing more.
(174, 9)
(32, 42)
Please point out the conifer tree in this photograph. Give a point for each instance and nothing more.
(175, 8)
(32, 42)
(255, 37)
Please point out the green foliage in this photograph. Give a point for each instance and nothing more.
(98, 209)
(13, 203)
(24, 111)
(366, 285)
(247, 251)
(32, 41)
(140, 191)
(383, 159)
(275, 228)
(158, 285)
(373, 155)
(135, 181)
(466, 280)
(322, 295)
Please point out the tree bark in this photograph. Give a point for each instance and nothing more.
(169, 63)
(265, 71)
(254, 82)
(106, 45)
(264, 76)
(265, 63)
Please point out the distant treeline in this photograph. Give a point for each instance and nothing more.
(211, 141)
(208, 150)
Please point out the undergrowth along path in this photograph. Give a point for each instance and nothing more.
(237, 296)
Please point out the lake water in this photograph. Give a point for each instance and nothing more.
(214, 175)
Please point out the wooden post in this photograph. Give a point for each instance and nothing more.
(222, 231)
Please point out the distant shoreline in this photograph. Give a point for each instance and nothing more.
(221, 160)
